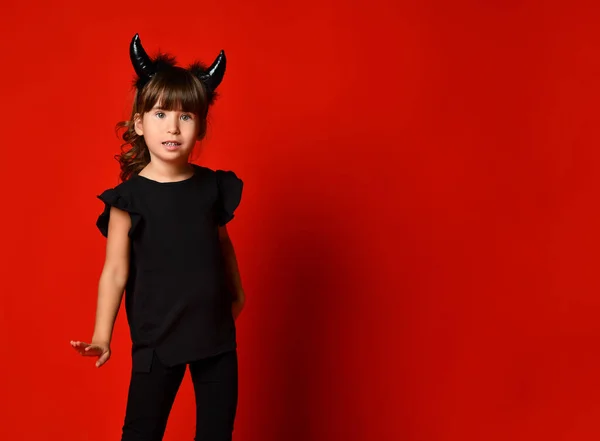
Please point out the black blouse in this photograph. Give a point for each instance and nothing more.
(177, 301)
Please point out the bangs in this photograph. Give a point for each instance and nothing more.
(175, 89)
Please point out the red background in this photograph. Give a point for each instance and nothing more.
(418, 236)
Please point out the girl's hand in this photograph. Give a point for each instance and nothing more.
(100, 350)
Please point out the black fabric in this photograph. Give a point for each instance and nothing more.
(177, 301)
(230, 190)
(113, 197)
(151, 396)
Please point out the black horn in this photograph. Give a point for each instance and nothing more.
(214, 74)
(142, 63)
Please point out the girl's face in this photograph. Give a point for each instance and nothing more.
(169, 134)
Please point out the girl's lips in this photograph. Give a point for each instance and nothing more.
(171, 147)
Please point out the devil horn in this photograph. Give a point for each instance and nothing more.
(214, 75)
(139, 58)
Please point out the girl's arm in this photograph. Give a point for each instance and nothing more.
(114, 275)
(110, 288)
(232, 271)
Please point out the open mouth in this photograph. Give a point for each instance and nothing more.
(171, 144)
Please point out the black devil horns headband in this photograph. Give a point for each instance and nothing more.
(146, 68)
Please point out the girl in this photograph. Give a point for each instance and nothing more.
(168, 249)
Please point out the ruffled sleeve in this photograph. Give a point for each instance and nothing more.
(114, 198)
(230, 195)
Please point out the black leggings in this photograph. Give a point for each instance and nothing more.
(151, 396)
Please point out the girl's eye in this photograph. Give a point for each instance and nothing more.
(186, 116)
(159, 113)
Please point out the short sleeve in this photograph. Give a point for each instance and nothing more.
(230, 195)
(114, 198)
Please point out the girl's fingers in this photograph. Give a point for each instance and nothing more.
(78, 348)
(86, 349)
(78, 344)
(92, 351)
(103, 359)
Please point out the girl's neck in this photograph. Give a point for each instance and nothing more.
(167, 172)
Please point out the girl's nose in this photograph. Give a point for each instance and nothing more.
(173, 126)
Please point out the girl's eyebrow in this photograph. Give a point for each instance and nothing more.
(160, 108)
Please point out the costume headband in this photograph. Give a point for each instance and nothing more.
(146, 68)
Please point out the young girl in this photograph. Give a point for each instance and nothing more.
(168, 249)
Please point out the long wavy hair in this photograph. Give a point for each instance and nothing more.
(175, 88)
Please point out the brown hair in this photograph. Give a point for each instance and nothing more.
(176, 89)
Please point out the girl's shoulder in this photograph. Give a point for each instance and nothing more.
(203, 169)
(119, 196)
(226, 177)
(126, 188)
(200, 170)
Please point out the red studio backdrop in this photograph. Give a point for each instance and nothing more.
(418, 235)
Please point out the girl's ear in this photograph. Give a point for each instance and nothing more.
(137, 124)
